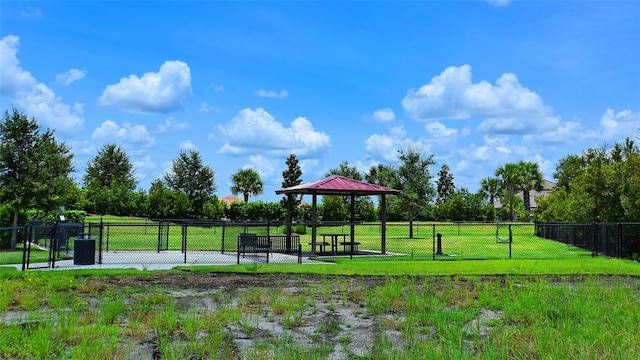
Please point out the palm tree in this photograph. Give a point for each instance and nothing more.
(531, 179)
(490, 188)
(248, 182)
(510, 176)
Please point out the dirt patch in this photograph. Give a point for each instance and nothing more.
(325, 317)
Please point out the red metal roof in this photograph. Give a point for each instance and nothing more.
(338, 185)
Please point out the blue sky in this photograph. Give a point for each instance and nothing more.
(476, 83)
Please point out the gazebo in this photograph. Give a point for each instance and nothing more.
(343, 186)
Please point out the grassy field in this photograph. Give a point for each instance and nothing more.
(459, 241)
(568, 307)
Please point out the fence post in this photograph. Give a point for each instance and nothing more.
(433, 252)
(619, 237)
(184, 241)
(27, 230)
(510, 240)
(222, 242)
(594, 247)
(100, 237)
(107, 233)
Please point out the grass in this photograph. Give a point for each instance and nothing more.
(376, 267)
(76, 315)
(459, 241)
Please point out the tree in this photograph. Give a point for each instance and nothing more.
(381, 174)
(334, 208)
(597, 185)
(35, 170)
(464, 206)
(361, 204)
(110, 181)
(247, 182)
(290, 202)
(510, 175)
(568, 168)
(531, 178)
(347, 170)
(445, 184)
(414, 183)
(165, 203)
(191, 177)
(490, 188)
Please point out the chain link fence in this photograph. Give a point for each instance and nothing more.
(620, 240)
(228, 242)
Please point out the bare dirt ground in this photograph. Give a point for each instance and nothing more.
(335, 320)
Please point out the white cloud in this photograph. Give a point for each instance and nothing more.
(208, 108)
(171, 125)
(188, 145)
(565, 133)
(499, 3)
(383, 146)
(216, 88)
(163, 92)
(142, 167)
(130, 136)
(256, 130)
(271, 94)
(31, 12)
(452, 95)
(386, 146)
(34, 97)
(437, 129)
(266, 167)
(384, 115)
(70, 76)
(495, 150)
(616, 127)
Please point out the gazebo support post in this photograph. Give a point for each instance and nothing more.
(289, 221)
(314, 205)
(383, 220)
(353, 219)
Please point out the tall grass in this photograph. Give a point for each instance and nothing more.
(61, 315)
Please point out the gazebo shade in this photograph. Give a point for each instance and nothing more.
(338, 185)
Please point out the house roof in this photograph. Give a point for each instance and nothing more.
(230, 199)
(547, 186)
(338, 185)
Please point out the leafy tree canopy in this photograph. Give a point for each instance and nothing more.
(246, 182)
(194, 179)
(35, 170)
(110, 168)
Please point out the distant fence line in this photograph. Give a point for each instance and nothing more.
(196, 241)
(620, 240)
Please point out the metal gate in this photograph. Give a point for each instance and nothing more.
(56, 240)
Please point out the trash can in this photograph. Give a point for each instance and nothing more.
(84, 250)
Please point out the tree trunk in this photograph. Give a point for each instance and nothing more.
(14, 232)
(511, 203)
(527, 200)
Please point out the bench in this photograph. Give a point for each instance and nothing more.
(322, 245)
(353, 246)
(266, 244)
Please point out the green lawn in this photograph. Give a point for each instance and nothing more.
(467, 241)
